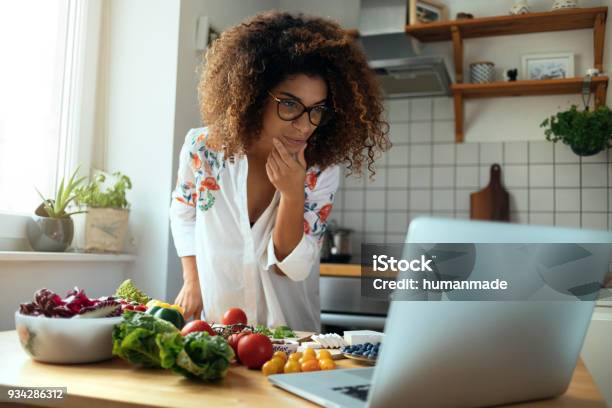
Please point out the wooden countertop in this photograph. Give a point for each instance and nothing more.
(117, 384)
(343, 270)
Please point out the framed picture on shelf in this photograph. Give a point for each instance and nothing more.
(425, 11)
(548, 66)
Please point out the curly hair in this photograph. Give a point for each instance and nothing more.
(253, 57)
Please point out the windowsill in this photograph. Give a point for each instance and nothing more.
(33, 256)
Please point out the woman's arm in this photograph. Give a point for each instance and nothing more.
(287, 174)
(190, 296)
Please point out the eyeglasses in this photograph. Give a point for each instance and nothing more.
(291, 109)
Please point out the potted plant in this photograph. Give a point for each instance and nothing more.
(51, 228)
(106, 221)
(586, 132)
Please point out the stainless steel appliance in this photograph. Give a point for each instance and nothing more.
(343, 307)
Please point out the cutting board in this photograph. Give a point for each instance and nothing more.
(492, 202)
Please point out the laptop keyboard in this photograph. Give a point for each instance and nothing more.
(359, 392)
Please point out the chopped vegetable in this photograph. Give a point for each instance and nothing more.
(203, 356)
(135, 338)
(128, 291)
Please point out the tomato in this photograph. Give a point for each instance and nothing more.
(309, 352)
(306, 357)
(278, 361)
(254, 350)
(282, 355)
(271, 367)
(324, 354)
(140, 308)
(327, 364)
(292, 366)
(295, 356)
(234, 316)
(233, 340)
(310, 365)
(197, 326)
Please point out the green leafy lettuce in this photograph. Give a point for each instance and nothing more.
(135, 339)
(203, 356)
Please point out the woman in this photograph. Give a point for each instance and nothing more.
(286, 98)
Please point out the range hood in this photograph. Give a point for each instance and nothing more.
(401, 72)
(404, 67)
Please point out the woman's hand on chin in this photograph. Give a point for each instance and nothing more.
(286, 172)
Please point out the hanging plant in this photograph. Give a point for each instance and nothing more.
(586, 132)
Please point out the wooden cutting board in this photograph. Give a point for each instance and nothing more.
(492, 202)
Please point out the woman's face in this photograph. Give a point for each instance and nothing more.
(309, 91)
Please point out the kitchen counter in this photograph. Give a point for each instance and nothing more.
(117, 384)
(340, 269)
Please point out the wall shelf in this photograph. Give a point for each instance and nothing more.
(527, 88)
(561, 20)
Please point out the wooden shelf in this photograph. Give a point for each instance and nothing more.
(527, 88)
(560, 20)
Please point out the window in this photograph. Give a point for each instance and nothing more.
(42, 43)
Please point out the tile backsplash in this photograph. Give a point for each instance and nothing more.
(426, 173)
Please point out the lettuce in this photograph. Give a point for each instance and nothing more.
(203, 356)
(135, 339)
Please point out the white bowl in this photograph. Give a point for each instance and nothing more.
(66, 341)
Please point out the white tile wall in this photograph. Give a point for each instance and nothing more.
(426, 173)
(420, 132)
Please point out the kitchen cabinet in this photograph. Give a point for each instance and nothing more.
(559, 20)
(117, 384)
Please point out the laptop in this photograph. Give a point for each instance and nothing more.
(469, 353)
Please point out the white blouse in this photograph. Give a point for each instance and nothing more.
(209, 219)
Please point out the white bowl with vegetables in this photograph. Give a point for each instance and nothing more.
(73, 330)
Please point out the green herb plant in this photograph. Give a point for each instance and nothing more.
(113, 197)
(586, 132)
(56, 208)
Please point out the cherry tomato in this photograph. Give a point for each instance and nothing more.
(327, 364)
(292, 366)
(197, 326)
(233, 340)
(310, 365)
(310, 352)
(295, 356)
(306, 357)
(234, 316)
(282, 355)
(254, 350)
(271, 367)
(324, 354)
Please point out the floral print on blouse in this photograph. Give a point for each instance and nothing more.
(207, 166)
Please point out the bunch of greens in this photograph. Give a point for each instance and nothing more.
(197, 355)
(148, 341)
(56, 208)
(260, 328)
(586, 132)
(128, 291)
(282, 332)
(135, 339)
(113, 197)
